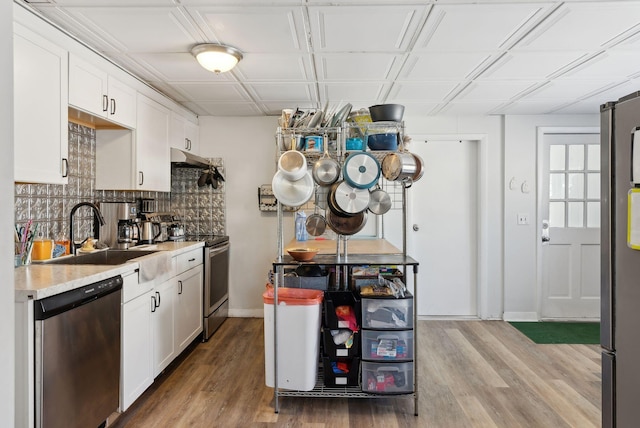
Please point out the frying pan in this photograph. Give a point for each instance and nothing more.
(326, 170)
(316, 224)
(380, 202)
(346, 225)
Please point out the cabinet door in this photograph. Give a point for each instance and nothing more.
(153, 158)
(164, 351)
(192, 136)
(40, 109)
(87, 87)
(177, 136)
(122, 103)
(188, 307)
(137, 349)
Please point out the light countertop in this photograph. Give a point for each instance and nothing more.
(40, 280)
(354, 246)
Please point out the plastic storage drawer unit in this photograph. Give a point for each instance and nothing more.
(387, 313)
(387, 345)
(387, 378)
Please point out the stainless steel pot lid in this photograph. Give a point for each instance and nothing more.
(380, 202)
(361, 170)
(292, 193)
(351, 199)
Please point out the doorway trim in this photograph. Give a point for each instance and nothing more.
(482, 296)
(541, 132)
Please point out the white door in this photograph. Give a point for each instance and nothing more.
(444, 211)
(570, 210)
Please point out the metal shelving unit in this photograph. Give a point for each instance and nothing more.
(344, 260)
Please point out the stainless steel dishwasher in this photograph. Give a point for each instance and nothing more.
(77, 359)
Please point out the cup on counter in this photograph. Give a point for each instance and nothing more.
(42, 248)
(22, 255)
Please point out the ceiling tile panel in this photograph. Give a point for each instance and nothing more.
(584, 26)
(352, 92)
(608, 65)
(179, 67)
(468, 108)
(140, 29)
(380, 29)
(472, 27)
(253, 29)
(530, 65)
(295, 92)
(205, 108)
(356, 66)
(219, 91)
(275, 67)
(427, 91)
(567, 90)
(441, 65)
(494, 90)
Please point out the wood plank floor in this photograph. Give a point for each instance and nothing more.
(471, 374)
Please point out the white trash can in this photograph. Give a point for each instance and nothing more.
(299, 318)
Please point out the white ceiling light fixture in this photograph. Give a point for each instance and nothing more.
(215, 57)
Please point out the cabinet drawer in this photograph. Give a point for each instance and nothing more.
(333, 350)
(132, 289)
(387, 378)
(189, 260)
(387, 345)
(383, 314)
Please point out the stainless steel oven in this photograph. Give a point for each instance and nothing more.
(216, 281)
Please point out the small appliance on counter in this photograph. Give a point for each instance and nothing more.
(170, 226)
(120, 229)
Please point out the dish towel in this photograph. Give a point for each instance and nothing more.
(154, 267)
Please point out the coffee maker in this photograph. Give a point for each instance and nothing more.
(120, 228)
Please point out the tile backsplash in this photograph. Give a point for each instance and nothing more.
(49, 205)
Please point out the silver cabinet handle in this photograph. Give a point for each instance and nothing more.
(180, 289)
(105, 103)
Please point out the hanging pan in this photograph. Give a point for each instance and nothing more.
(346, 225)
(361, 170)
(348, 200)
(292, 193)
(326, 170)
(380, 202)
(316, 223)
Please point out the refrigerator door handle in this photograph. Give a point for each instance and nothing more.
(545, 231)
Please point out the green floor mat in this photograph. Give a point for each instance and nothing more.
(560, 332)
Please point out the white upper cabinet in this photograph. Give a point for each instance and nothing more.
(93, 90)
(40, 109)
(153, 158)
(184, 134)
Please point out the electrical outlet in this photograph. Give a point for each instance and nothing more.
(523, 218)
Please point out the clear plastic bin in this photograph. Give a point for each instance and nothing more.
(387, 313)
(387, 345)
(387, 378)
(299, 318)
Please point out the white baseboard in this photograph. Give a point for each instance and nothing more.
(520, 316)
(246, 313)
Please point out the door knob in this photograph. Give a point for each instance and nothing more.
(416, 228)
(545, 231)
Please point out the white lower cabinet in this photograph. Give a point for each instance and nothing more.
(137, 347)
(159, 321)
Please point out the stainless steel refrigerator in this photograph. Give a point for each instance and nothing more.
(620, 253)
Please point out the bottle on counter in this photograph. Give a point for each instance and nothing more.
(301, 226)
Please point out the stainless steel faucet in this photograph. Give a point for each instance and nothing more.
(98, 214)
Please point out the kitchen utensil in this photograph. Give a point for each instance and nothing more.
(292, 193)
(341, 115)
(419, 168)
(303, 254)
(386, 141)
(292, 165)
(399, 166)
(204, 178)
(387, 112)
(380, 201)
(350, 200)
(149, 232)
(325, 170)
(316, 119)
(316, 223)
(346, 225)
(361, 170)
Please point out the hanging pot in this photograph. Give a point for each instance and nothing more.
(292, 164)
(361, 170)
(346, 225)
(380, 201)
(399, 166)
(419, 168)
(326, 170)
(349, 200)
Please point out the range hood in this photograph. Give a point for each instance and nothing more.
(186, 159)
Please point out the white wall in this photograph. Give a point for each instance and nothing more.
(508, 252)
(7, 322)
(521, 298)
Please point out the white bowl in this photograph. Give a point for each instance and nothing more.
(292, 164)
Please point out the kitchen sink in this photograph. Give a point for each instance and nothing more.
(107, 257)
